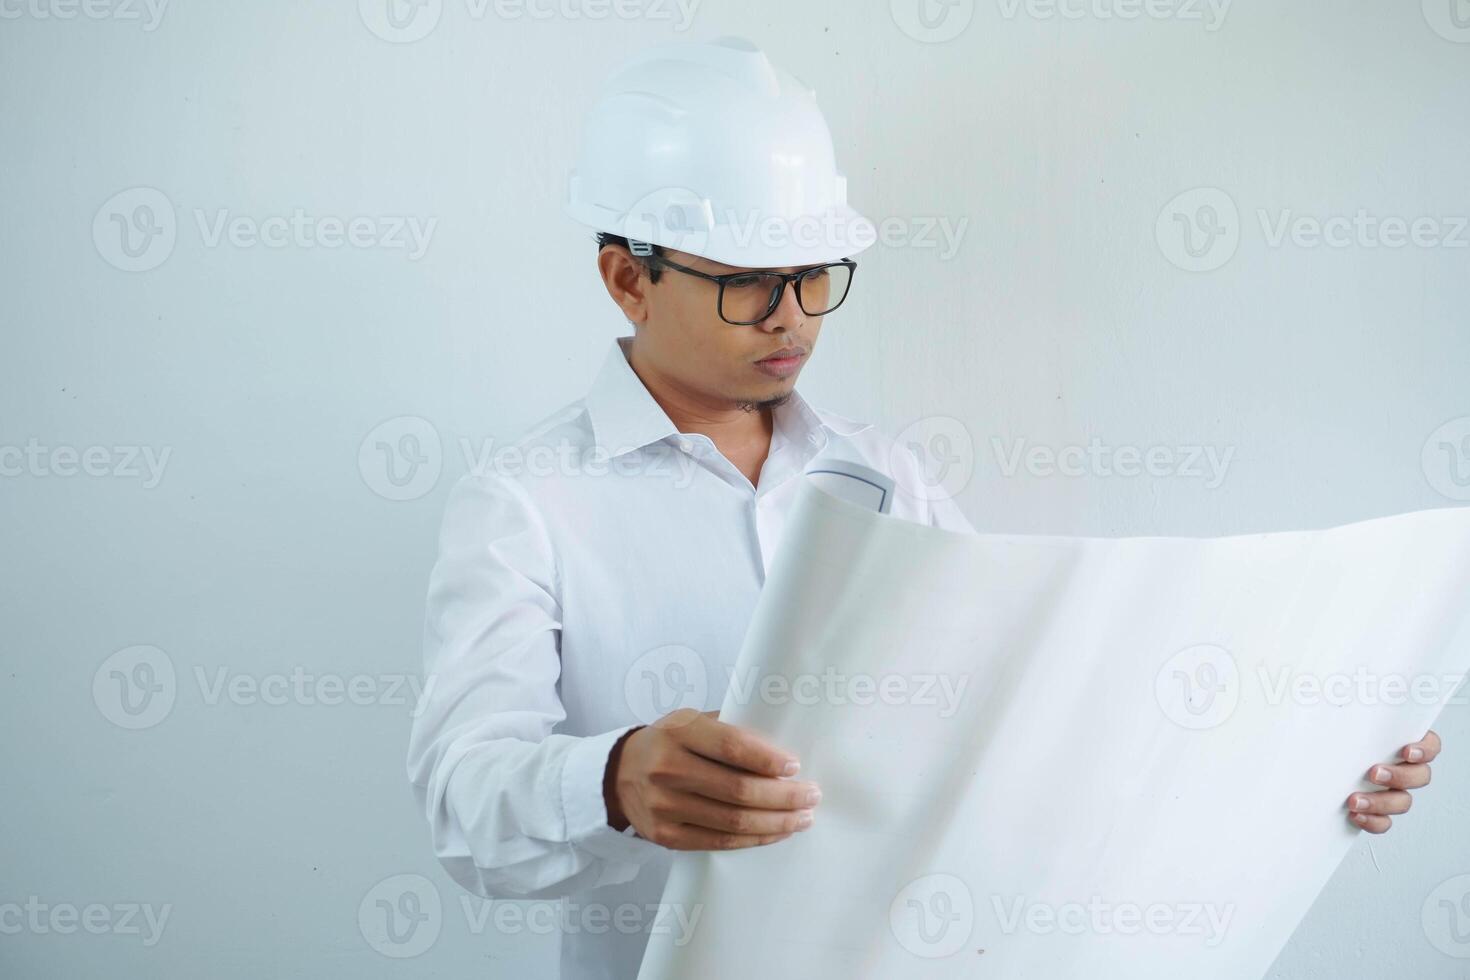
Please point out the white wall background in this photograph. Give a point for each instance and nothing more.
(1055, 138)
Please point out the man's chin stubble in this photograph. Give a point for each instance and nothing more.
(776, 402)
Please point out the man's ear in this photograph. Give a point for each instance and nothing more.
(626, 281)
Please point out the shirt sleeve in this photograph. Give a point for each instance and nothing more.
(513, 809)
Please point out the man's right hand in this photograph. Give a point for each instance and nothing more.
(693, 783)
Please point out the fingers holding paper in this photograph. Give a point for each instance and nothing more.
(1374, 811)
(692, 782)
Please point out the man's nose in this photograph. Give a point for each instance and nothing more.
(788, 313)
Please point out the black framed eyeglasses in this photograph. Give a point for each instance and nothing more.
(749, 297)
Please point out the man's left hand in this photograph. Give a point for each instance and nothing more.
(1372, 811)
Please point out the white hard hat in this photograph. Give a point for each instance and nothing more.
(710, 149)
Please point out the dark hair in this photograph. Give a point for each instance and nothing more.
(604, 239)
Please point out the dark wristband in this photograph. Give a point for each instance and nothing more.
(615, 818)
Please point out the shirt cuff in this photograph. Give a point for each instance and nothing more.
(584, 808)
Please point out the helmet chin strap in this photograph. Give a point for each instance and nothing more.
(640, 249)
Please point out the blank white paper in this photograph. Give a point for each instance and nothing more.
(1046, 757)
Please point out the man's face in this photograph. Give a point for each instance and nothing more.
(683, 337)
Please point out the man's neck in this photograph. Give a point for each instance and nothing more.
(741, 432)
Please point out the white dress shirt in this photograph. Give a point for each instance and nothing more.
(599, 575)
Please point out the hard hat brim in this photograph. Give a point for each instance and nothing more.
(839, 233)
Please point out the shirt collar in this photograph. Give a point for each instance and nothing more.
(625, 416)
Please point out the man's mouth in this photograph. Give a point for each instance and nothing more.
(782, 363)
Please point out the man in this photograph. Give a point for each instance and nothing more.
(584, 616)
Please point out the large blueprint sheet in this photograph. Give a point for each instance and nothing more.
(1060, 757)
